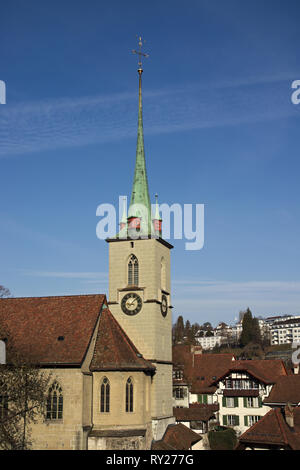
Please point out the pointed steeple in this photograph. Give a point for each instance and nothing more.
(140, 191)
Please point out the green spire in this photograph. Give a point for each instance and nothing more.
(140, 191)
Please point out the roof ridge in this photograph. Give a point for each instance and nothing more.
(258, 422)
(52, 296)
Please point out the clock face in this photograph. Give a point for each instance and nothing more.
(131, 304)
(164, 305)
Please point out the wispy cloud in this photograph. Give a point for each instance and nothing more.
(14, 228)
(207, 300)
(62, 123)
(85, 276)
(239, 288)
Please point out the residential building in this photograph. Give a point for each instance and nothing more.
(209, 342)
(241, 391)
(277, 430)
(280, 427)
(285, 331)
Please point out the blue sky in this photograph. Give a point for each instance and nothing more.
(220, 130)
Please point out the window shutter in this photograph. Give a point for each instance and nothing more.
(236, 420)
(225, 420)
(246, 420)
(260, 402)
(245, 403)
(236, 402)
(205, 399)
(199, 398)
(224, 402)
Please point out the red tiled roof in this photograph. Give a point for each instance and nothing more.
(206, 368)
(181, 356)
(179, 437)
(266, 371)
(161, 445)
(114, 350)
(34, 324)
(200, 369)
(272, 430)
(285, 390)
(203, 413)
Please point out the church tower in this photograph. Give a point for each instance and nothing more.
(139, 283)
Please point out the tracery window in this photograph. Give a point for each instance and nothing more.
(129, 396)
(55, 402)
(105, 395)
(133, 271)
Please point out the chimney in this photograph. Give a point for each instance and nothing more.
(195, 350)
(289, 415)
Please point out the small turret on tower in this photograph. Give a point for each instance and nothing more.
(157, 221)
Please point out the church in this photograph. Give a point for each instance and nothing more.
(110, 358)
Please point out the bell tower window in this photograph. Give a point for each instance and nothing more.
(133, 271)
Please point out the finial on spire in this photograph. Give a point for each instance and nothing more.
(140, 54)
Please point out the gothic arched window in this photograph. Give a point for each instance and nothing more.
(129, 396)
(104, 395)
(55, 402)
(133, 271)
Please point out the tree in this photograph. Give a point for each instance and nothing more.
(246, 336)
(222, 438)
(4, 292)
(252, 351)
(23, 395)
(207, 326)
(250, 330)
(256, 335)
(209, 333)
(178, 330)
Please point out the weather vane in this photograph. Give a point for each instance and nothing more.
(140, 54)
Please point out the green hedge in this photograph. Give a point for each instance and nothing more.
(222, 439)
